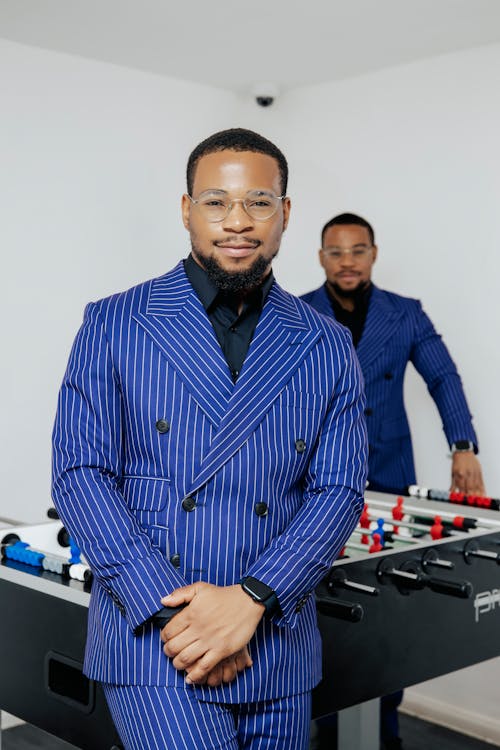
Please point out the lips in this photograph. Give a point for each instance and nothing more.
(238, 248)
(348, 276)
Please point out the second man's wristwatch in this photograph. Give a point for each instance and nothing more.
(463, 446)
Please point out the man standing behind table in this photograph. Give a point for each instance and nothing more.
(210, 445)
(388, 332)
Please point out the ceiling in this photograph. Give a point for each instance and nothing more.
(235, 45)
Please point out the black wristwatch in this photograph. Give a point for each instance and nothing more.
(463, 446)
(261, 593)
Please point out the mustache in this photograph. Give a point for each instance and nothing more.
(238, 239)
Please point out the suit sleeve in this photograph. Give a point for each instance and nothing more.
(87, 467)
(296, 560)
(434, 363)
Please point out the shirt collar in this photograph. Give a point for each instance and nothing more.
(361, 299)
(204, 287)
(208, 292)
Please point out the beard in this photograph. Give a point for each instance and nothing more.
(234, 281)
(353, 294)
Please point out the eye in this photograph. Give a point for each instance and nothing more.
(260, 203)
(213, 203)
(332, 252)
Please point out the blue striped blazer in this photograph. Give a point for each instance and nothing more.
(290, 433)
(397, 331)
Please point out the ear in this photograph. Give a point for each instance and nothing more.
(185, 208)
(375, 253)
(321, 258)
(287, 205)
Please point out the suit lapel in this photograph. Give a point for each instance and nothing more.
(178, 324)
(321, 302)
(280, 343)
(381, 324)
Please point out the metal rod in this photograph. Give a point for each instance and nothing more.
(411, 510)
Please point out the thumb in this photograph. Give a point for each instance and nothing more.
(179, 596)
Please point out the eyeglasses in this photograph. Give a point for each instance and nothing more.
(215, 205)
(357, 253)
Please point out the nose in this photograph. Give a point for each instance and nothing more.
(237, 219)
(347, 258)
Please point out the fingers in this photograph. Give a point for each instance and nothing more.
(243, 659)
(198, 673)
(466, 475)
(196, 665)
(470, 484)
(182, 595)
(173, 630)
(229, 670)
(214, 678)
(187, 657)
(224, 671)
(180, 639)
(191, 660)
(208, 638)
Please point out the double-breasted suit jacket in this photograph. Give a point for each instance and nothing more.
(398, 331)
(167, 473)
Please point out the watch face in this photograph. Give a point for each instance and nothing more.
(464, 445)
(257, 590)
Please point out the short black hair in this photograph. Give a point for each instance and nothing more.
(348, 219)
(236, 139)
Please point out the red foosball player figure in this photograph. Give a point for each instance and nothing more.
(437, 530)
(397, 511)
(364, 519)
(376, 545)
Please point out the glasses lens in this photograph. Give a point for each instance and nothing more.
(258, 204)
(214, 206)
(261, 205)
(336, 253)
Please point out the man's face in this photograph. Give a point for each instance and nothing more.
(238, 248)
(352, 270)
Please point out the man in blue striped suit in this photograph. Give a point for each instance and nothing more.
(210, 459)
(388, 332)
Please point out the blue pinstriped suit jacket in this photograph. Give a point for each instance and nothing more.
(151, 353)
(397, 331)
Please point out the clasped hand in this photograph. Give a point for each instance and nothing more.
(208, 638)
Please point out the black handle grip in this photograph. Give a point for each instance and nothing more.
(340, 609)
(461, 589)
(9, 539)
(165, 615)
(63, 537)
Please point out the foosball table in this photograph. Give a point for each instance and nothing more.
(415, 595)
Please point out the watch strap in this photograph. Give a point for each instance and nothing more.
(463, 446)
(261, 593)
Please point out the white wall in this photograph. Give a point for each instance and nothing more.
(93, 160)
(414, 149)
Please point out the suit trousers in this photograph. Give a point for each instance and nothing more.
(169, 718)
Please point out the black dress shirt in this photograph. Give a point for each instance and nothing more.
(234, 330)
(355, 319)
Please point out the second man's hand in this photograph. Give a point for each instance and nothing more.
(208, 639)
(466, 474)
